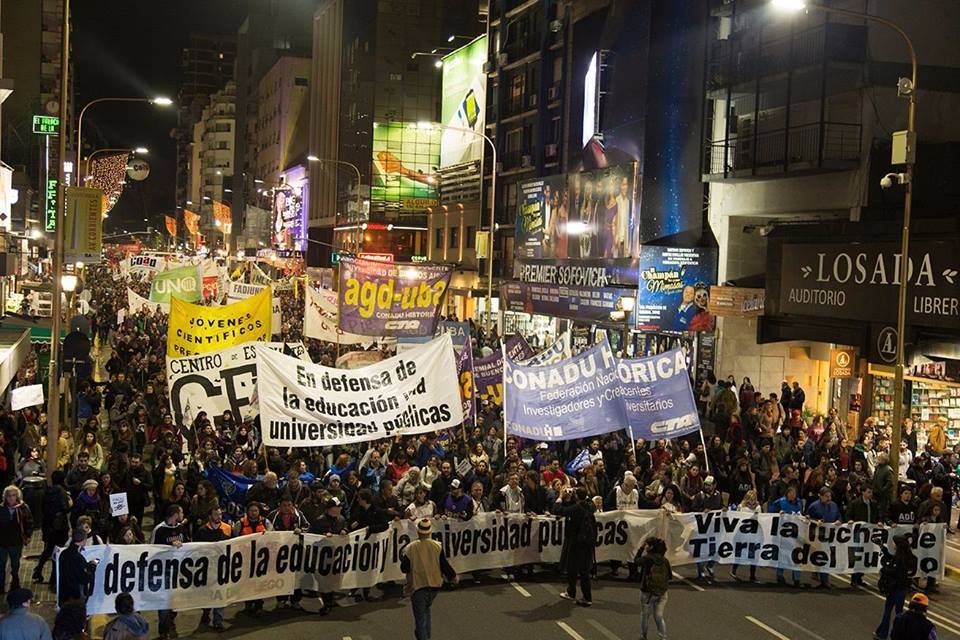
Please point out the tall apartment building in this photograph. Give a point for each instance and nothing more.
(206, 65)
(31, 52)
(373, 75)
(798, 122)
(271, 30)
(216, 157)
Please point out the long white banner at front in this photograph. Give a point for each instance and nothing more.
(216, 574)
(309, 405)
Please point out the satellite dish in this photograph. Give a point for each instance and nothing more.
(138, 169)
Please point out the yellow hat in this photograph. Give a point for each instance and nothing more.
(920, 598)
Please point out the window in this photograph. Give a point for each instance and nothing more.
(438, 242)
(454, 237)
(300, 82)
(396, 77)
(471, 239)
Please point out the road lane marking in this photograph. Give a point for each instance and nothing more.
(801, 628)
(768, 629)
(573, 634)
(520, 590)
(684, 580)
(945, 623)
(606, 633)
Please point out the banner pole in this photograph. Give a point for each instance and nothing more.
(266, 460)
(706, 458)
(633, 441)
(503, 399)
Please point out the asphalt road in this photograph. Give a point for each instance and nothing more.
(531, 607)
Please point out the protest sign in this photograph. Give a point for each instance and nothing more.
(28, 396)
(308, 405)
(118, 504)
(146, 264)
(467, 392)
(240, 291)
(196, 329)
(257, 276)
(320, 319)
(488, 372)
(217, 574)
(553, 354)
(136, 302)
(220, 380)
(576, 398)
(391, 299)
(657, 396)
(459, 333)
(183, 283)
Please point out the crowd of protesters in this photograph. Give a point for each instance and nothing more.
(762, 453)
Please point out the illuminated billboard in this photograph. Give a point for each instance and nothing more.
(464, 103)
(405, 157)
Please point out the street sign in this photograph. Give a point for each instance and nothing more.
(334, 257)
(842, 363)
(46, 125)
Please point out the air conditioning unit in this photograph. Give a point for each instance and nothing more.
(488, 67)
(503, 59)
(556, 26)
(525, 161)
(532, 99)
(551, 150)
(553, 93)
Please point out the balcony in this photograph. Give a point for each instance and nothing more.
(808, 148)
(738, 60)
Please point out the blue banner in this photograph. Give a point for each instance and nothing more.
(231, 489)
(575, 398)
(657, 396)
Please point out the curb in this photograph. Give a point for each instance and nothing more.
(952, 572)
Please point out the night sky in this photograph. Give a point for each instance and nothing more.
(124, 48)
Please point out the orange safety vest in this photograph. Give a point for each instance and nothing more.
(246, 528)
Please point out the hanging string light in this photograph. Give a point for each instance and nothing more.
(107, 173)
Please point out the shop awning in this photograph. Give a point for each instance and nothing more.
(14, 349)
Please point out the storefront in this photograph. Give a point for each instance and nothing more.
(843, 292)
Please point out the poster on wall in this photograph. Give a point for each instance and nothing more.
(674, 290)
(404, 157)
(463, 104)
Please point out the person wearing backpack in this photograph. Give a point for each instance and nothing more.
(655, 572)
(894, 582)
(579, 542)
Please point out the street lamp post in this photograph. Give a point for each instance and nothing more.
(158, 101)
(357, 234)
(53, 385)
(906, 88)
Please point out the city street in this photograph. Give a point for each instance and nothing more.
(726, 610)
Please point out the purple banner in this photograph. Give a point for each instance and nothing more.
(562, 301)
(488, 372)
(391, 299)
(467, 395)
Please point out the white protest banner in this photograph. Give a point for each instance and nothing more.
(118, 504)
(23, 397)
(219, 380)
(320, 319)
(257, 276)
(217, 574)
(136, 302)
(147, 264)
(309, 405)
(240, 291)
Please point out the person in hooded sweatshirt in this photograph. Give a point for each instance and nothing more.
(128, 625)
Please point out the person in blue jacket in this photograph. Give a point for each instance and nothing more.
(824, 510)
(787, 503)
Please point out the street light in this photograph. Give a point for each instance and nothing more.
(493, 202)
(159, 101)
(906, 151)
(313, 158)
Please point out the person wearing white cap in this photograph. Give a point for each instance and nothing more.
(426, 567)
(458, 504)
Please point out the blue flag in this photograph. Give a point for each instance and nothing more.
(574, 466)
(231, 489)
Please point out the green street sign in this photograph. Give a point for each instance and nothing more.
(334, 258)
(46, 125)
